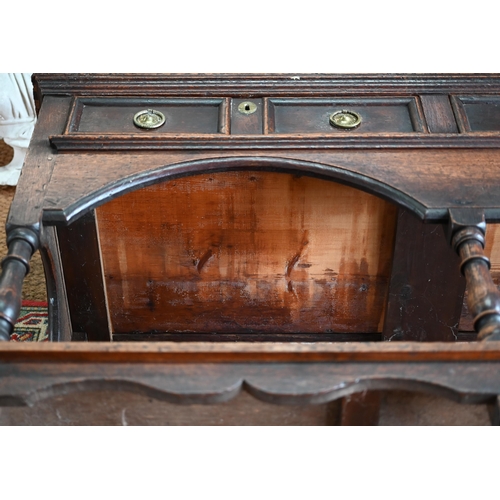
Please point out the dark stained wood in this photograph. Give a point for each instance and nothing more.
(40, 375)
(262, 85)
(426, 289)
(428, 168)
(21, 243)
(477, 113)
(483, 114)
(439, 113)
(39, 162)
(82, 181)
(492, 252)
(243, 124)
(313, 141)
(104, 116)
(406, 408)
(248, 337)
(494, 411)
(78, 242)
(250, 352)
(124, 408)
(59, 327)
(246, 252)
(457, 173)
(378, 115)
(466, 230)
(108, 407)
(360, 409)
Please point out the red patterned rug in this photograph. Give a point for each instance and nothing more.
(32, 323)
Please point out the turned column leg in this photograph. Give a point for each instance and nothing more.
(22, 243)
(467, 236)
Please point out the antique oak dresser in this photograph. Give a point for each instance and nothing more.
(301, 238)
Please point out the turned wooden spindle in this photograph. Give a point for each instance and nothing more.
(22, 244)
(467, 239)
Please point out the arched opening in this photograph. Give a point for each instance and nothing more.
(246, 252)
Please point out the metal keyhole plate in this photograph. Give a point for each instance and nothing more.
(345, 119)
(149, 118)
(247, 107)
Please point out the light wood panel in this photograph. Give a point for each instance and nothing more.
(245, 252)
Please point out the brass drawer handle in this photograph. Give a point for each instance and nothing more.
(345, 119)
(149, 118)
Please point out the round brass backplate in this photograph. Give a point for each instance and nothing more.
(149, 118)
(247, 107)
(345, 119)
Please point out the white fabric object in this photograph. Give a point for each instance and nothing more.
(17, 121)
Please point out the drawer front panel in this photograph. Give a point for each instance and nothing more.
(116, 116)
(379, 115)
(478, 114)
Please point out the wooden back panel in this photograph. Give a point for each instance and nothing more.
(246, 252)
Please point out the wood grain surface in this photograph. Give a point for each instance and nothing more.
(427, 182)
(249, 352)
(492, 251)
(26, 382)
(246, 252)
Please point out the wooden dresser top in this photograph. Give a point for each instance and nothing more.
(425, 142)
